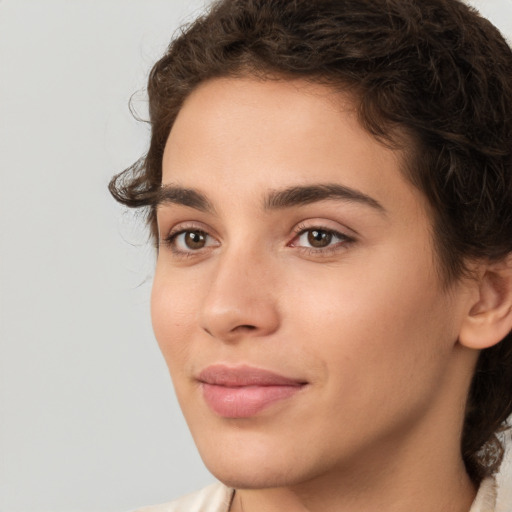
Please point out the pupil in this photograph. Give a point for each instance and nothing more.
(319, 238)
(195, 240)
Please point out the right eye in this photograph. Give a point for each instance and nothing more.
(188, 241)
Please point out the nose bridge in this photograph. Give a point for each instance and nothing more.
(240, 298)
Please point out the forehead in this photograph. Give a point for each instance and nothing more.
(249, 134)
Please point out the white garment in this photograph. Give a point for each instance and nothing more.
(214, 498)
(485, 500)
(218, 497)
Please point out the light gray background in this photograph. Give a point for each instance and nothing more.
(88, 420)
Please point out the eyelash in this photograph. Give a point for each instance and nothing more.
(301, 229)
(170, 240)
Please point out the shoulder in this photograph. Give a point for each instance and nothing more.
(214, 498)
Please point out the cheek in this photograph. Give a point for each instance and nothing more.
(172, 307)
(378, 324)
(383, 344)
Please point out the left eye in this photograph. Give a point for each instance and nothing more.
(319, 238)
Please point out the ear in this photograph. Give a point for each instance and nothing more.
(489, 318)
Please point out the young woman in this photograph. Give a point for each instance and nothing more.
(329, 183)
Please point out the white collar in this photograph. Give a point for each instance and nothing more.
(485, 500)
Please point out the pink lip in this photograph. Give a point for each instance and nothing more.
(243, 391)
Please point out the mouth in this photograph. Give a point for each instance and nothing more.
(244, 391)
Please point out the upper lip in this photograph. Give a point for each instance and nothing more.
(239, 376)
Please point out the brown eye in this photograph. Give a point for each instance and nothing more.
(320, 241)
(318, 238)
(194, 239)
(189, 241)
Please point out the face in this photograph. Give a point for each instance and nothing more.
(296, 299)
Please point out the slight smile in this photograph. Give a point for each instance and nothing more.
(244, 391)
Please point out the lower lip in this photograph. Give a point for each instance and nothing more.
(244, 401)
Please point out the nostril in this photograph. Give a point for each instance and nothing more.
(237, 329)
(245, 328)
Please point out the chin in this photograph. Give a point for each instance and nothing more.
(248, 468)
(239, 475)
(258, 465)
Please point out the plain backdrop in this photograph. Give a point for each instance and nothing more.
(88, 419)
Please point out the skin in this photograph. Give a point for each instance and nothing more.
(365, 320)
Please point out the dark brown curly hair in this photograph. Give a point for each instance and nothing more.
(433, 73)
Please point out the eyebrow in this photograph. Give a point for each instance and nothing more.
(183, 196)
(303, 195)
(275, 200)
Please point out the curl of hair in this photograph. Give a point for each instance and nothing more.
(432, 70)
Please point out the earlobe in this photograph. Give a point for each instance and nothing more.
(489, 318)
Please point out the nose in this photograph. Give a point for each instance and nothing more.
(241, 299)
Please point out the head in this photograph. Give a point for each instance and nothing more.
(429, 82)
